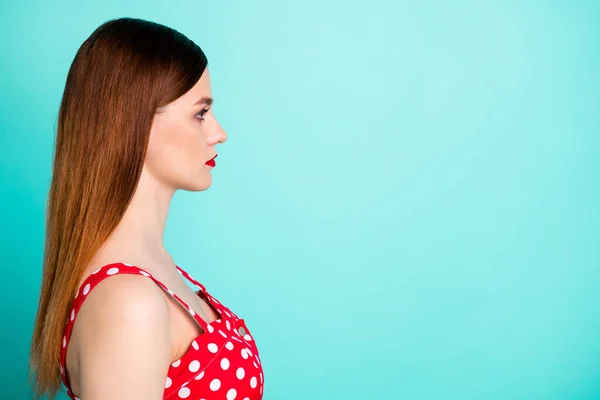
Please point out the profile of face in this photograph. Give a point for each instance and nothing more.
(183, 137)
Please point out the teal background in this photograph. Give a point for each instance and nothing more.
(406, 206)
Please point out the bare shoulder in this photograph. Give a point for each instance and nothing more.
(124, 336)
(125, 296)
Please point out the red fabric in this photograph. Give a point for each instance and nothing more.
(221, 363)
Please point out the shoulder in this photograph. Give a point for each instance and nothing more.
(123, 301)
(124, 335)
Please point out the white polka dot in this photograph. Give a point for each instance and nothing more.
(261, 377)
(112, 271)
(86, 289)
(144, 273)
(248, 337)
(244, 354)
(246, 398)
(168, 383)
(226, 313)
(261, 386)
(215, 384)
(176, 363)
(212, 347)
(225, 363)
(184, 393)
(72, 315)
(222, 333)
(240, 373)
(253, 382)
(215, 300)
(64, 341)
(229, 346)
(210, 328)
(231, 394)
(236, 331)
(199, 376)
(255, 366)
(194, 366)
(249, 352)
(195, 345)
(96, 271)
(228, 325)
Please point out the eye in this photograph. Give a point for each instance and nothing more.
(200, 115)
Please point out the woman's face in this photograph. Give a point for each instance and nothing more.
(183, 138)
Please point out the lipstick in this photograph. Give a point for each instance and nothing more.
(212, 162)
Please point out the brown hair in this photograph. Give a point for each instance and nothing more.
(120, 75)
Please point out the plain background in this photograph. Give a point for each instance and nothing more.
(406, 206)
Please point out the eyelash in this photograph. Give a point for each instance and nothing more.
(202, 113)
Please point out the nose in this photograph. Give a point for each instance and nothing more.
(218, 135)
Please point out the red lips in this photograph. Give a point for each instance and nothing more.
(211, 162)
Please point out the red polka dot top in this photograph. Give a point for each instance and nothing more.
(222, 363)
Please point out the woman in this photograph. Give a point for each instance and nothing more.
(116, 319)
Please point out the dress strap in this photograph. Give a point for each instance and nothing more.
(111, 270)
(103, 273)
(220, 307)
(192, 280)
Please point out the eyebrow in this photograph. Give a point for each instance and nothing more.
(206, 100)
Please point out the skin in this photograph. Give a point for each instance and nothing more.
(128, 330)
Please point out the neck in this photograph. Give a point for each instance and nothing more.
(139, 234)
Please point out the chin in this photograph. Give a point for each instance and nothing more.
(198, 185)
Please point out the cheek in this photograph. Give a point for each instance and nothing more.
(178, 148)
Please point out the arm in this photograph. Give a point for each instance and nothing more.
(125, 351)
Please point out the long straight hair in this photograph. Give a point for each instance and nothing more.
(122, 73)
